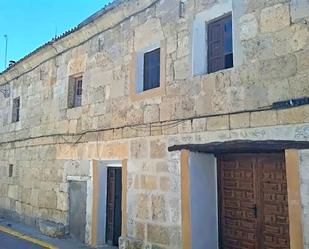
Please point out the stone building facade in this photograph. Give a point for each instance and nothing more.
(158, 137)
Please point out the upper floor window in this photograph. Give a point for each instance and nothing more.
(148, 73)
(212, 39)
(75, 91)
(151, 69)
(16, 110)
(220, 44)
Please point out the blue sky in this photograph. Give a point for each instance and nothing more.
(30, 23)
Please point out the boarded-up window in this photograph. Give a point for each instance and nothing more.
(75, 91)
(151, 69)
(16, 110)
(220, 44)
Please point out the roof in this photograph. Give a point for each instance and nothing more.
(243, 146)
(90, 19)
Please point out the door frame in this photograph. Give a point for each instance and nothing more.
(294, 199)
(98, 225)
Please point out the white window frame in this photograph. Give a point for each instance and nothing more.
(139, 86)
(199, 43)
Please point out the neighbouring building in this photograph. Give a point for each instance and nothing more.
(164, 124)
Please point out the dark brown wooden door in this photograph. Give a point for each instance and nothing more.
(113, 206)
(253, 203)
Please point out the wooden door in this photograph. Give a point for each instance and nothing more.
(113, 206)
(253, 203)
(273, 203)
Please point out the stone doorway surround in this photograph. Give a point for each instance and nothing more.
(291, 152)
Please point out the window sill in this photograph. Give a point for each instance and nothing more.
(219, 71)
(151, 93)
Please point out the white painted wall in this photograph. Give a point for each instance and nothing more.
(101, 216)
(304, 191)
(204, 203)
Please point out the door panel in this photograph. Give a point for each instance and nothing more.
(77, 209)
(273, 202)
(253, 201)
(113, 206)
(110, 209)
(238, 223)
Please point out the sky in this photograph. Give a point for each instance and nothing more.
(29, 24)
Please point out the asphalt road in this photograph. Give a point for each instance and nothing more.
(10, 242)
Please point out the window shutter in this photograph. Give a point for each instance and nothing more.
(15, 110)
(220, 44)
(152, 69)
(215, 46)
(78, 88)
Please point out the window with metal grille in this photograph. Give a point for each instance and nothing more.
(16, 110)
(151, 69)
(220, 44)
(75, 91)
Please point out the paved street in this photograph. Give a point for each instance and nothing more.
(10, 228)
(10, 242)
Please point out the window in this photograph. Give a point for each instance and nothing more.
(220, 44)
(16, 109)
(151, 69)
(75, 91)
(11, 170)
(148, 72)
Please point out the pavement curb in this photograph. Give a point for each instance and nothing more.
(27, 238)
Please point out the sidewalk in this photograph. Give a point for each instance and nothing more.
(14, 232)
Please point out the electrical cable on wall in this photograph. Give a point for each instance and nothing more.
(165, 125)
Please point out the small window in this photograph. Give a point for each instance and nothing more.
(11, 170)
(16, 110)
(220, 44)
(75, 91)
(151, 70)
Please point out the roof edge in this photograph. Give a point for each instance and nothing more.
(59, 44)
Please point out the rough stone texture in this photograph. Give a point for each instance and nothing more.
(275, 18)
(52, 229)
(248, 27)
(271, 46)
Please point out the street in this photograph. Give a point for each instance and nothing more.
(10, 242)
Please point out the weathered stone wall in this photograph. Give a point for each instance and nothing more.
(272, 51)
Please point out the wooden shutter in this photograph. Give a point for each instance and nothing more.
(15, 110)
(220, 52)
(152, 69)
(110, 206)
(215, 46)
(78, 92)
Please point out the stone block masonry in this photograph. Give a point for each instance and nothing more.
(52, 142)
